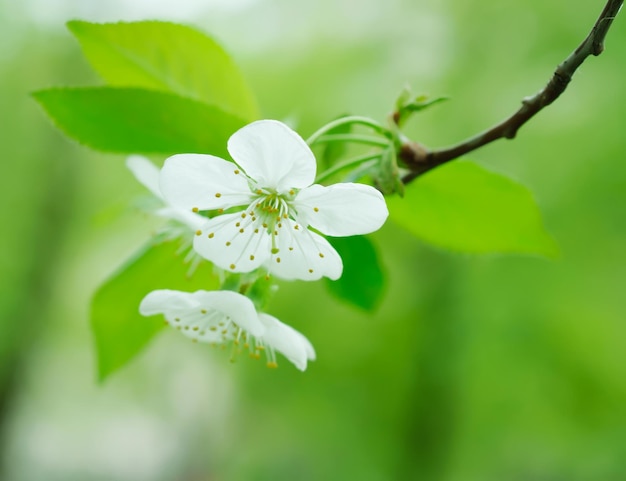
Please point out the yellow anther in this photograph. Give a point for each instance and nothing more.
(220, 211)
(241, 231)
(321, 255)
(259, 191)
(203, 311)
(218, 195)
(232, 266)
(256, 231)
(198, 232)
(316, 209)
(251, 258)
(220, 323)
(211, 235)
(291, 192)
(279, 225)
(291, 248)
(165, 322)
(195, 328)
(246, 345)
(275, 232)
(194, 209)
(278, 219)
(272, 365)
(227, 243)
(237, 224)
(285, 216)
(236, 342)
(186, 328)
(225, 331)
(260, 348)
(297, 227)
(267, 277)
(278, 260)
(177, 319)
(213, 328)
(264, 225)
(243, 216)
(236, 171)
(311, 271)
(194, 340)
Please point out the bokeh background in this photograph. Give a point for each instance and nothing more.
(474, 368)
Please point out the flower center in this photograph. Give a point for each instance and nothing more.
(216, 329)
(273, 208)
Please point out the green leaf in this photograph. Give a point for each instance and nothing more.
(464, 207)
(120, 331)
(166, 56)
(131, 120)
(363, 281)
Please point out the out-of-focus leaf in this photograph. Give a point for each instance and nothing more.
(166, 56)
(363, 281)
(464, 207)
(120, 331)
(132, 120)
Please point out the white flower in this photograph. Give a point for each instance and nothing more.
(271, 204)
(148, 175)
(221, 317)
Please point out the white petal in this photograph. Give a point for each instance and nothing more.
(191, 220)
(341, 209)
(145, 172)
(303, 254)
(286, 340)
(222, 242)
(203, 181)
(273, 155)
(165, 300)
(203, 310)
(236, 306)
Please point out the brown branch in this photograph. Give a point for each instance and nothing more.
(420, 159)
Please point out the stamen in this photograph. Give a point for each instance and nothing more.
(218, 195)
(220, 211)
(278, 260)
(243, 216)
(237, 224)
(236, 171)
(211, 235)
(251, 258)
(311, 271)
(316, 209)
(321, 255)
(232, 266)
(241, 231)
(194, 209)
(227, 243)
(198, 232)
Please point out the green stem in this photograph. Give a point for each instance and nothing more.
(348, 120)
(344, 165)
(359, 139)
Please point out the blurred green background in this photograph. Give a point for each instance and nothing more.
(474, 367)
